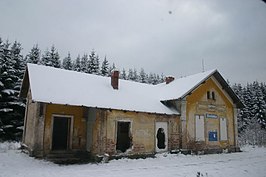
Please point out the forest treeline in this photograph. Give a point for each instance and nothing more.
(251, 119)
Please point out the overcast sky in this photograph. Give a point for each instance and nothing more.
(162, 36)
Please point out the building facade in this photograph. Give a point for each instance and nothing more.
(94, 118)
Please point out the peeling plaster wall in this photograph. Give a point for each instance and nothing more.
(142, 131)
(198, 104)
(30, 122)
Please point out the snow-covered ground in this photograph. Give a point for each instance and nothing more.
(249, 163)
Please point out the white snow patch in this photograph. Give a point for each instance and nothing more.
(251, 162)
(9, 91)
(17, 104)
(6, 110)
(5, 146)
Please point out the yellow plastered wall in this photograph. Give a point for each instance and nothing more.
(142, 131)
(78, 139)
(198, 104)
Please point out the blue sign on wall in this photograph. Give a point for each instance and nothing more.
(213, 136)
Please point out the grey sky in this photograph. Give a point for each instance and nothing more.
(162, 36)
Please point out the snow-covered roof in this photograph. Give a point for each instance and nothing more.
(182, 86)
(59, 86)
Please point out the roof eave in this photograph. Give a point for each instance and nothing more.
(229, 90)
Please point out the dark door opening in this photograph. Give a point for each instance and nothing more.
(160, 138)
(61, 129)
(123, 141)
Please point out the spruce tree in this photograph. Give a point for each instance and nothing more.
(34, 55)
(143, 76)
(51, 58)
(93, 64)
(104, 68)
(130, 75)
(67, 62)
(11, 107)
(123, 74)
(135, 75)
(84, 65)
(45, 60)
(76, 65)
(96, 69)
(54, 57)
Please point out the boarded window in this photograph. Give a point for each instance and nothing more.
(223, 129)
(199, 128)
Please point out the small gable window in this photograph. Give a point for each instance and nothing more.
(213, 95)
(210, 95)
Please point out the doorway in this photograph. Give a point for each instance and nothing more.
(61, 133)
(123, 138)
(161, 136)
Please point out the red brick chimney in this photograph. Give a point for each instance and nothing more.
(169, 79)
(115, 79)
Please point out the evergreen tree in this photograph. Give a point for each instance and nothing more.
(123, 75)
(67, 62)
(34, 55)
(93, 64)
(150, 78)
(153, 79)
(96, 69)
(84, 64)
(143, 76)
(54, 57)
(251, 118)
(76, 65)
(135, 75)
(19, 64)
(11, 107)
(130, 75)
(51, 58)
(45, 60)
(162, 79)
(104, 68)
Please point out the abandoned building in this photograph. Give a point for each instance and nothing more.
(73, 112)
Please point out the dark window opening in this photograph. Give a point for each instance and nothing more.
(161, 138)
(208, 95)
(213, 95)
(123, 141)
